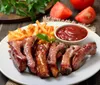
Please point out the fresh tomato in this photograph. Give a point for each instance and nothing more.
(81, 4)
(59, 10)
(86, 16)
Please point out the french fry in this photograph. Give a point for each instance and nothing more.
(32, 30)
(52, 33)
(42, 27)
(36, 31)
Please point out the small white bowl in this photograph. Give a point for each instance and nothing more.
(67, 41)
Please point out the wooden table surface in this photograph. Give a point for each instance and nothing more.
(4, 28)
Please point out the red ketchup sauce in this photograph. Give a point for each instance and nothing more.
(71, 33)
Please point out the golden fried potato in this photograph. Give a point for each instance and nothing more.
(31, 30)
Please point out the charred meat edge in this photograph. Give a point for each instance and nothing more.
(66, 59)
(41, 60)
(88, 49)
(17, 57)
(52, 57)
(29, 42)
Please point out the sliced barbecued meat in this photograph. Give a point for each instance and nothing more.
(61, 52)
(29, 42)
(88, 49)
(66, 59)
(18, 58)
(52, 54)
(91, 48)
(41, 61)
(52, 57)
(54, 49)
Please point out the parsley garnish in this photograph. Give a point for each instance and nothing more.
(45, 38)
(27, 8)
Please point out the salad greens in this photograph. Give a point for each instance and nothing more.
(27, 8)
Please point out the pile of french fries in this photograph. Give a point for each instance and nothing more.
(31, 30)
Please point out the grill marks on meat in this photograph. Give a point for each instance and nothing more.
(46, 56)
(41, 61)
(52, 54)
(23, 58)
(18, 58)
(52, 57)
(54, 49)
(66, 59)
(29, 42)
(88, 49)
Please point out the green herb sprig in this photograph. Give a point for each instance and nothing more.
(26, 8)
(45, 37)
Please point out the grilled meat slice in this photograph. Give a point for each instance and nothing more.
(18, 58)
(41, 61)
(29, 42)
(91, 48)
(88, 49)
(66, 59)
(52, 57)
(54, 49)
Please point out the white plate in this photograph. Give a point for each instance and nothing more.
(91, 67)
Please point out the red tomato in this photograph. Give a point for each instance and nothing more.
(81, 4)
(60, 11)
(86, 16)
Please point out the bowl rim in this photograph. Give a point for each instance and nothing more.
(71, 24)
